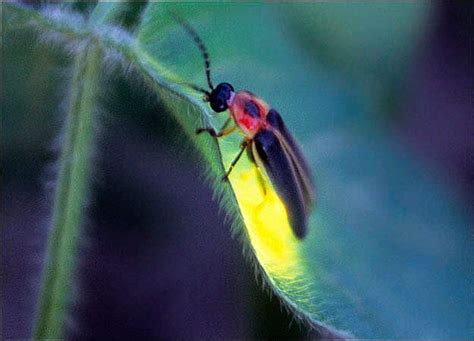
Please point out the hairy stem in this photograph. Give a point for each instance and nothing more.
(70, 197)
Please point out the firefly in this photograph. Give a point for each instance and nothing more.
(265, 137)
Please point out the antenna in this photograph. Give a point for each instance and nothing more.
(197, 39)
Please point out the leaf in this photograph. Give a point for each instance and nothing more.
(388, 253)
(362, 37)
(389, 250)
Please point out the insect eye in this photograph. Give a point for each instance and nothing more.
(220, 95)
(218, 105)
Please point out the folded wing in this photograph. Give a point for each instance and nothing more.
(296, 156)
(272, 155)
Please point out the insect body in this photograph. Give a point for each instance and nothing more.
(272, 147)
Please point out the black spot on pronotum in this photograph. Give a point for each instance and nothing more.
(251, 109)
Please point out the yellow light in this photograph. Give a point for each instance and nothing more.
(271, 237)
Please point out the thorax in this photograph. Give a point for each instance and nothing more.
(249, 112)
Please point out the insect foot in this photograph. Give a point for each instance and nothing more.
(211, 131)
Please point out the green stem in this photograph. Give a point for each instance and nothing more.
(70, 197)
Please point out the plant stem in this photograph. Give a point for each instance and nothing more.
(70, 197)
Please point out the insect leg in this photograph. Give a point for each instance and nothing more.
(222, 132)
(260, 177)
(243, 145)
(198, 88)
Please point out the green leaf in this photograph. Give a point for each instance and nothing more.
(363, 37)
(389, 252)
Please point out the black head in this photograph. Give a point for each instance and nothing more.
(219, 96)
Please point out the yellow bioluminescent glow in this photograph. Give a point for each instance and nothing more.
(266, 222)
